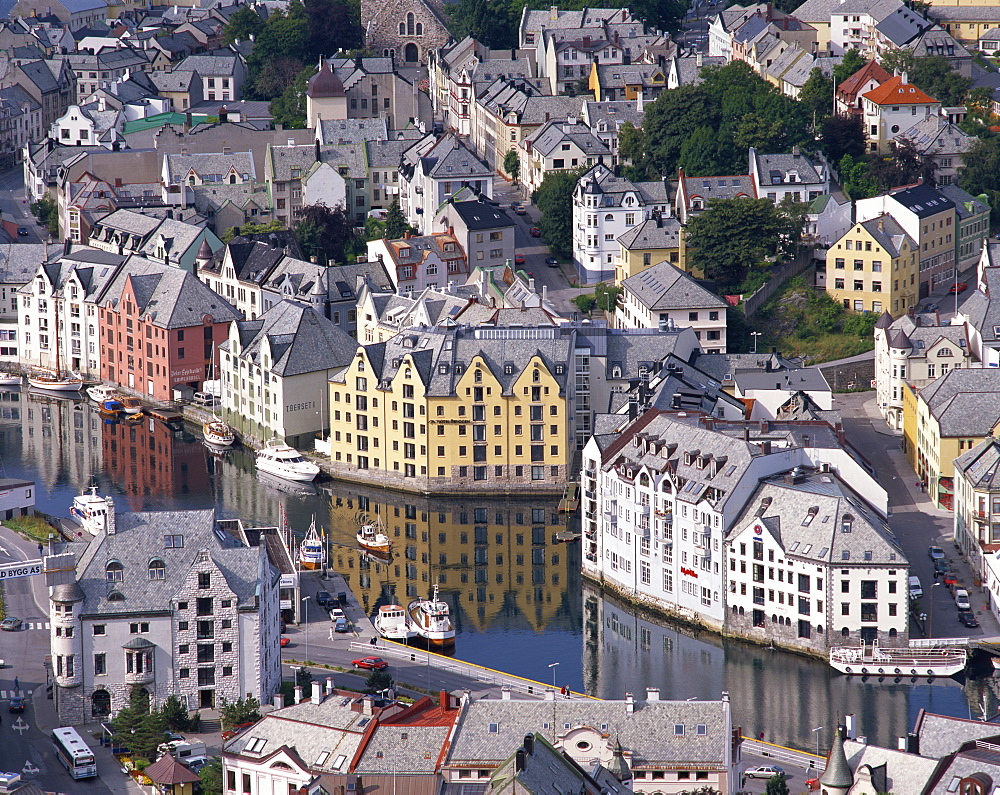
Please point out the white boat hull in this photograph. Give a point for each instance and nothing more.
(217, 438)
(55, 386)
(286, 473)
(10, 381)
(903, 662)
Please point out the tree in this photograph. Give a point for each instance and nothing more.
(251, 228)
(849, 64)
(174, 714)
(606, 296)
(854, 178)
(235, 713)
(903, 165)
(930, 73)
(137, 728)
(395, 222)
(333, 25)
(585, 303)
(285, 38)
(325, 233)
(817, 95)
(277, 76)
(242, 25)
(981, 174)
(378, 681)
(47, 212)
(289, 108)
(662, 15)
(554, 198)
(512, 164)
(211, 777)
(703, 153)
(842, 135)
(493, 23)
(734, 235)
(776, 785)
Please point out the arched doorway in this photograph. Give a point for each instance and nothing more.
(100, 703)
(410, 54)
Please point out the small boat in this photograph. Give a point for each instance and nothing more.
(277, 458)
(9, 379)
(373, 537)
(217, 433)
(312, 549)
(392, 623)
(101, 392)
(54, 382)
(431, 620)
(131, 405)
(915, 660)
(111, 405)
(90, 510)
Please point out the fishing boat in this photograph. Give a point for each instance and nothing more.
(431, 620)
(101, 392)
(131, 405)
(54, 382)
(312, 549)
(277, 458)
(217, 433)
(89, 509)
(391, 623)
(922, 658)
(372, 536)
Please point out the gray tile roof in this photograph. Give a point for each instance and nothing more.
(208, 165)
(965, 402)
(642, 731)
(450, 158)
(481, 215)
(210, 65)
(403, 750)
(718, 365)
(181, 237)
(139, 537)
(889, 234)
(774, 169)
(665, 286)
(727, 187)
(981, 465)
(355, 131)
(966, 204)
(935, 135)
(939, 735)
(903, 772)
(964, 13)
(975, 761)
(547, 138)
(176, 80)
(652, 233)
(804, 379)
(545, 769)
(619, 76)
(611, 114)
(536, 20)
(281, 160)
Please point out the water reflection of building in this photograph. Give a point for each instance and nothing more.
(783, 695)
(145, 459)
(497, 562)
(61, 439)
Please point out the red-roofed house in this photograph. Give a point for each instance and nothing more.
(849, 93)
(892, 108)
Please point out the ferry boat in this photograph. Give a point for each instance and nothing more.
(916, 659)
(54, 382)
(431, 620)
(101, 392)
(217, 433)
(312, 550)
(277, 458)
(89, 510)
(372, 536)
(131, 405)
(392, 623)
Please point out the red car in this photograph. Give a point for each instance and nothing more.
(285, 641)
(535, 231)
(373, 663)
(519, 259)
(959, 287)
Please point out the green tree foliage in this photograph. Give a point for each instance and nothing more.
(395, 222)
(512, 164)
(333, 25)
(175, 715)
(664, 15)
(817, 95)
(211, 777)
(242, 25)
(981, 174)
(776, 785)
(849, 64)
(251, 228)
(606, 295)
(281, 48)
(554, 199)
(139, 729)
(930, 73)
(378, 681)
(854, 178)
(842, 135)
(325, 233)
(493, 23)
(585, 303)
(735, 235)
(235, 713)
(47, 212)
(632, 151)
(289, 107)
(903, 165)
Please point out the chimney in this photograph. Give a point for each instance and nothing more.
(519, 758)
(407, 235)
(553, 13)
(629, 703)
(109, 516)
(550, 694)
(329, 685)
(298, 694)
(367, 705)
(529, 744)
(279, 701)
(881, 224)
(505, 693)
(451, 231)
(765, 447)
(905, 78)
(698, 60)
(850, 726)
(652, 694)
(317, 692)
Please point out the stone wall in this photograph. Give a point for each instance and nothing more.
(381, 22)
(852, 376)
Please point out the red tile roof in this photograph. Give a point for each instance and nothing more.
(895, 92)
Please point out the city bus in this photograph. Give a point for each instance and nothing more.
(74, 753)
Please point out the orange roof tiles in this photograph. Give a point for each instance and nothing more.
(895, 92)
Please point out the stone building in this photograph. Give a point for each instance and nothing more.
(176, 602)
(405, 29)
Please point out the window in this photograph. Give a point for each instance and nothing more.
(114, 571)
(157, 569)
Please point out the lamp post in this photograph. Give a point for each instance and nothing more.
(755, 334)
(553, 667)
(816, 731)
(930, 615)
(305, 616)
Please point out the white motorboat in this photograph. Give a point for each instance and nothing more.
(277, 458)
(915, 660)
(373, 537)
(392, 623)
(54, 382)
(9, 379)
(90, 510)
(218, 433)
(101, 392)
(431, 620)
(130, 405)
(312, 550)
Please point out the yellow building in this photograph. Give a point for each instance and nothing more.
(966, 21)
(873, 268)
(614, 82)
(945, 419)
(449, 410)
(653, 241)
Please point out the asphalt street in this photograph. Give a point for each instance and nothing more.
(14, 206)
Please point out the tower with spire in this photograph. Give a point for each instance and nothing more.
(325, 97)
(837, 779)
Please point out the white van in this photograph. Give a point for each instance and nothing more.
(206, 399)
(962, 599)
(915, 590)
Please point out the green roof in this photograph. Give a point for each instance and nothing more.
(159, 120)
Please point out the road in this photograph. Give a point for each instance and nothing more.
(14, 206)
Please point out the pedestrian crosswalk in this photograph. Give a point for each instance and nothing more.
(36, 624)
(5, 694)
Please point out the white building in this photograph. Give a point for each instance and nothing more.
(793, 176)
(770, 391)
(605, 206)
(665, 296)
(559, 146)
(977, 514)
(811, 565)
(88, 125)
(176, 602)
(892, 108)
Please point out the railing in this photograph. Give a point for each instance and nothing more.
(780, 753)
(931, 643)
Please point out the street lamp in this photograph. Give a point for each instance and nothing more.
(305, 615)
(816, 731)
(755, 334)
(553, 667)
(930, 615)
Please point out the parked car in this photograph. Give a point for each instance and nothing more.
(519, 259)
(228, 734)
(16, 704)
(535, 231)
(341, 625)
(519, 210)
(935, 553)
(195, 765)
(967, 618)
(764, 771)
(336, 612)
(552, 262)
(11, 624)
(372, 663)
(285, 641)
(323, 598)
(916, 591)
(940, 566)
(962, 599)
(958, 287)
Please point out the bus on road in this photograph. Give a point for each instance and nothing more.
(74, 753)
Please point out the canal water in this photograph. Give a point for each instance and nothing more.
(516, 594)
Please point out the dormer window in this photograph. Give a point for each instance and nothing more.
(114, 571)
(157, 569)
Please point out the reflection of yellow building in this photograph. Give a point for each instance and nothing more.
(449, 410)
(494, 562)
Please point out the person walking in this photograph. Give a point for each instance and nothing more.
(17, 684)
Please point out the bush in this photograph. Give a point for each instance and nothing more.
(585, 303)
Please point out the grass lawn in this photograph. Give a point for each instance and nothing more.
(33, 527)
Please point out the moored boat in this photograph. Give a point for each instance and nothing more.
(9, 379)
(218, 433)
(89, 510)
(373, 537)
(312, 549)
(392, 623)
(910, 661)
(54, 382)
(277, 458)
(131, 405)
(111, 405)
(101, 392)
(431, 620)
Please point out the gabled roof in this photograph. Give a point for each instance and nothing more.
(665, 286)
(895, 92)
